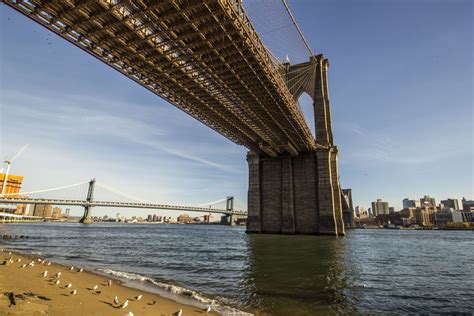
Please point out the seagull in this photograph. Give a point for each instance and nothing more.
(95, 287)
(43, 261)
(39, 259)
(45, 274)
(19, 260)
(109, 282)
(208, 309)
(129, 314)
(125, 304)
(23, 265)
(69, 285)
(49, 263)
(57, 282)
(80, 270)
(10, 253)
(74, 292)
(71, 268)
(178, 313)
(116, 301)
(58, 274)
(139, 297)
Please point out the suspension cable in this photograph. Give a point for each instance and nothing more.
(298, 28)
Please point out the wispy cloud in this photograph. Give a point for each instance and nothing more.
(97, 118)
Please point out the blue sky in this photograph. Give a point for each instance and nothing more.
(401, 96)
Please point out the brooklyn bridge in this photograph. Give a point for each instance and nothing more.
(206, 58)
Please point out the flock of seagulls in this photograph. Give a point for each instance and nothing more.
(56, 280)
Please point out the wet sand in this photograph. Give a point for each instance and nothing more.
(34, 294)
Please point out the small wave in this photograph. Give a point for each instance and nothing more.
(178, 290)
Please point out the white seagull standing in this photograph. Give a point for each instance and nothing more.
(116, 301)
(57, 282)
(74, 292)
(58, 274)
(69, 285)
(45, 274)
(109, 282)
(125, 304)
(139, 297)
(71, 268)
(95, 287)
(80, 270)
(178, 313)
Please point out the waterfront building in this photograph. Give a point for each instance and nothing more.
(347, 208)
(428, 201)
(43, 210)
(407, 203)
(379, 207)
(207, 218)
(12, 185)
(408, 212)
(149, 218)
(184, 218)
(425, 216)
(56, 212)
(451, 204)
(467, 205)
(443, 218)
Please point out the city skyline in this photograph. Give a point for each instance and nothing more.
(391, 129)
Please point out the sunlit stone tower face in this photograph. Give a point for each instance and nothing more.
(299, 194)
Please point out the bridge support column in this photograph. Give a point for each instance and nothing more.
(299, 194)
(90, 196)
(295, 195)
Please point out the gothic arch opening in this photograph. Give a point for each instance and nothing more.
(305, 103)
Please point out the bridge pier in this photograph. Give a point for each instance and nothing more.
(90, 196)
(299, 194)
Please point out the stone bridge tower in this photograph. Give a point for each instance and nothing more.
(299, 194)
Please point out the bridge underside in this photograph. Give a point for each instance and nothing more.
(203, 56)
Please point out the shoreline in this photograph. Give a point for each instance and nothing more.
(35, 294)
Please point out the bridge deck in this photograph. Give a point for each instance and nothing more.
(203, 56)
(120, 204)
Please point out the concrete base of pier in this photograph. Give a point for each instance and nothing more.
(295, 194)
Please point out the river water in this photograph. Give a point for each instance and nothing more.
(368, 271)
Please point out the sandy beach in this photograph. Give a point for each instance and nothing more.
(26, 291)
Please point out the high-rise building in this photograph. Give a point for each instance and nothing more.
(410, 203)
(467, 205)
(428, 201)
(451, 203)
(379, 207)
